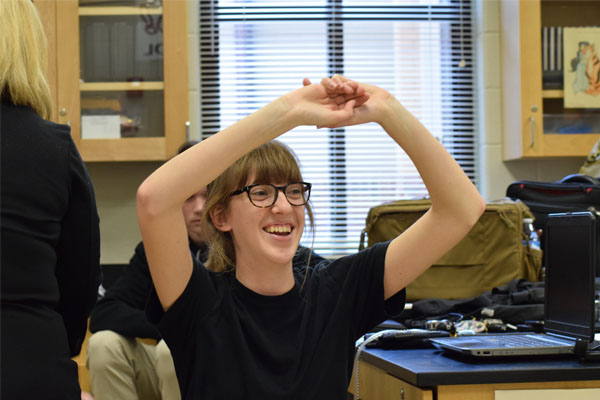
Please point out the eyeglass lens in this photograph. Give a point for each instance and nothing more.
(265, 195)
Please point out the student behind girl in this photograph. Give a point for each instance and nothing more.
(251, 325)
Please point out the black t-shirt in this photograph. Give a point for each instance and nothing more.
(229, 342)
(121, 310)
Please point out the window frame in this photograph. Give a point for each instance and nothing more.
(463, 139)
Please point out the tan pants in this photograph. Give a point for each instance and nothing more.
(127, 369)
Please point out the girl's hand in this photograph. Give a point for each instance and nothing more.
(372, 105)
(327, 105)
(343, 90)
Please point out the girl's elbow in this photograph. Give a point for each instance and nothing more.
(144, 201)
(477, 209)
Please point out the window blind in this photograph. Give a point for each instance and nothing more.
(420, 50)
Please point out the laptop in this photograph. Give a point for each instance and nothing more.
(569, 311)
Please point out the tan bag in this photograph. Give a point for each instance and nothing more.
(492, 254)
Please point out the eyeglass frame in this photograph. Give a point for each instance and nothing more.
(277, 190)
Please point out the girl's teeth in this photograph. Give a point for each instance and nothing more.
(279, 229)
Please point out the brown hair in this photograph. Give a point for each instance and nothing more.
(271, 162)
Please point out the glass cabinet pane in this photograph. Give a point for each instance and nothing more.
(121, 69)
(122, 114)
(121, 48)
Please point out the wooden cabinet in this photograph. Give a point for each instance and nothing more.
(119, 71)
(376, 384)
(526, 105)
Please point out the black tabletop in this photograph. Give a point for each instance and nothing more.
(431, 367)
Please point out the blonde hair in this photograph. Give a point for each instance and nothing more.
(23, 57)
(271, 162)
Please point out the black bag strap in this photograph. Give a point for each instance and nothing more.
(580, 178)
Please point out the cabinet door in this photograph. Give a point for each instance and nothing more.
(528, 109)
(376, 384)
(122, 77)
(47, 11)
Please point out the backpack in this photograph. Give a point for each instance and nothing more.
(495, 251)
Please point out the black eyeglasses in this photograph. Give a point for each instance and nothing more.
(265, 195)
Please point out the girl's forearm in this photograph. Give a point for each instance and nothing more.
(449, 187)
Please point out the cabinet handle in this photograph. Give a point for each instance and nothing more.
(532, 142)
(187, 130)
(534, 108)
(62, 112)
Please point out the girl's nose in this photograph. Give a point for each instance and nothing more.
(281, 203)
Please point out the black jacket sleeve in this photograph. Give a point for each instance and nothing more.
(121, 309)
(78, 253)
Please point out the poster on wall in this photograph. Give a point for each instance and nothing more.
(581, 76)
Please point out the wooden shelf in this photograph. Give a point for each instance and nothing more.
(568, 144)
(120, 86)
(553, 94)
(124, 149)
(112, 11)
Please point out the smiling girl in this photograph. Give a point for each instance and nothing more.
(251, 325)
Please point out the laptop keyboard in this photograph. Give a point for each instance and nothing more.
(529, 341)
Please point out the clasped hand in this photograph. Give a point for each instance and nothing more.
(332, 103)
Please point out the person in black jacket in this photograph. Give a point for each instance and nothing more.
(50, 237)
(126, 357)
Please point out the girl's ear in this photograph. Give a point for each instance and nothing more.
(218, 215)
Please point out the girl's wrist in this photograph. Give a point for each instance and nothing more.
(391, 109)
(291, 107)
(278, 117)
(288, 111)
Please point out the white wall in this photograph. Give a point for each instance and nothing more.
(116, 183)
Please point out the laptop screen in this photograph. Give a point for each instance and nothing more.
(570, 271)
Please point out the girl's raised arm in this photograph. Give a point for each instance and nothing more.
(456, 203)
(161, 196)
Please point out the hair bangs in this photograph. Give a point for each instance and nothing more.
(274, 162)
